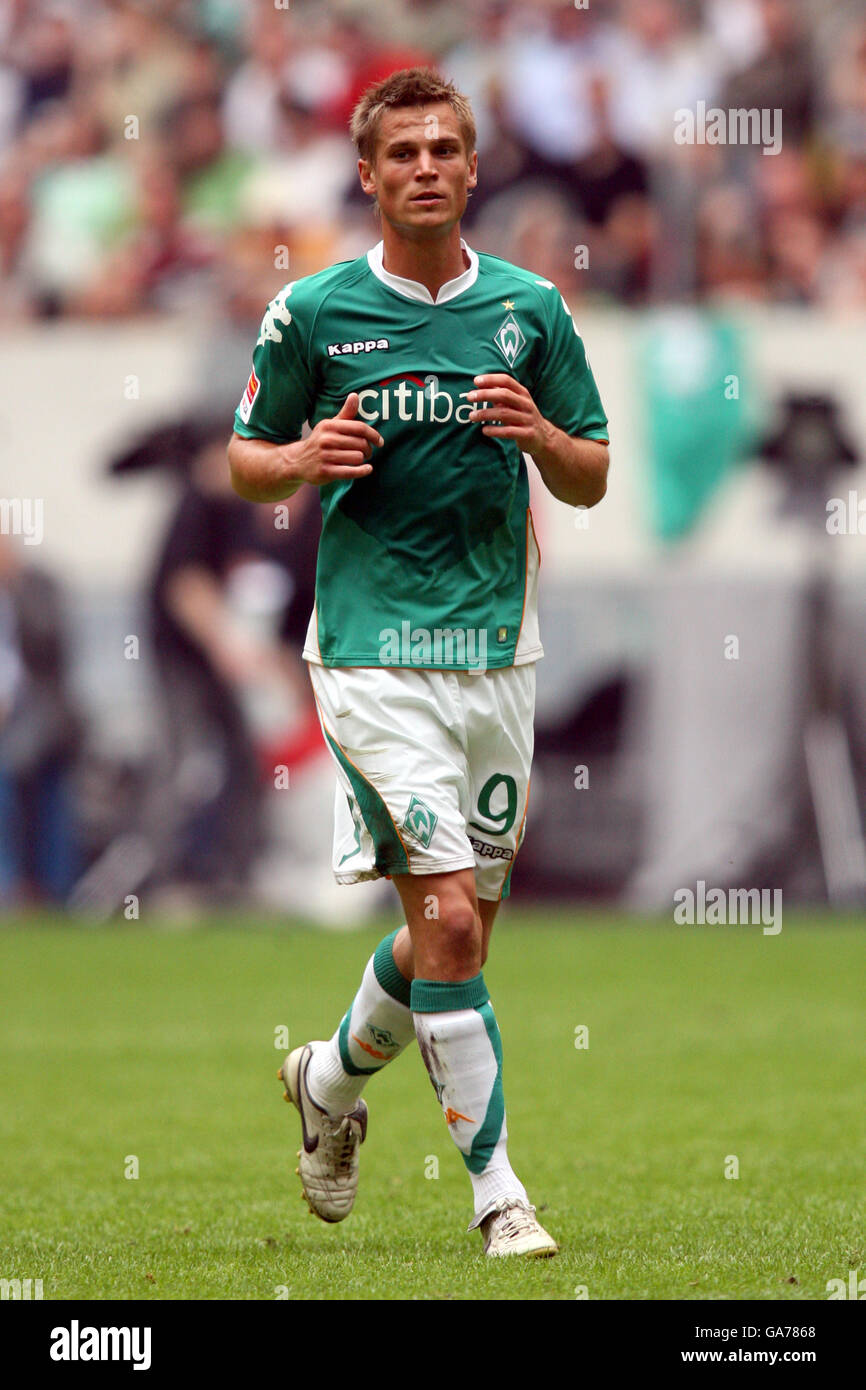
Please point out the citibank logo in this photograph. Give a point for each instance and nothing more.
(414, 398)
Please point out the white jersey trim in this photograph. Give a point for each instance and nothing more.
(411, 289)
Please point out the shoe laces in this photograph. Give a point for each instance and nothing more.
(514, 1220)
(342, 1141)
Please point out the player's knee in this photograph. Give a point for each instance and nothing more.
(459, 934)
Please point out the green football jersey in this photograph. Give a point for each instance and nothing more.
(430, 560)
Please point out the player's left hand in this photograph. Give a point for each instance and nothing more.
(509, 404)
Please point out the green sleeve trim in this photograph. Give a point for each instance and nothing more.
(345, 1058)
(487, 1137)
(442, 996)
(386, 972)
(246, 433)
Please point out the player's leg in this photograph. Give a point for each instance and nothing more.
(460, 1043)
(324, 1080)
(404, 955)
(375, 1029)
(381, 727)
(378, 1024)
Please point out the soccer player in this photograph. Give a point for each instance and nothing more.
(427, 373)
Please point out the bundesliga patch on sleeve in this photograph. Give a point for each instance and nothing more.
(245, 409)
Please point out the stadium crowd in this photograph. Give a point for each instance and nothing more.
(155, 157)
(188, 157)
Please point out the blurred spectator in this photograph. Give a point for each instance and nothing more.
(39, 735)
(43, 52)
(547, 61)
(781, 76)
(847, 94)
(304, 180)
(607, 172)
(139, 64)
(251, 102)
(229, 600)
(474, 65)
(163, 263)
(657, 62)
(211, 176)
(203, 814)
(16, 287)
(82, 202)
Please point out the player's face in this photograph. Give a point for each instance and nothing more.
(422, 173)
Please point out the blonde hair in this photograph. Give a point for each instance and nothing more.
(409, 87)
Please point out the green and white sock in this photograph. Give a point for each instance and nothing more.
(459, 1040)
(375, 1030)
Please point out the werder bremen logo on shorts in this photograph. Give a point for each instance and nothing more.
(420, 821)
(510, 339)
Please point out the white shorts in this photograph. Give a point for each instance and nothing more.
(432, 769)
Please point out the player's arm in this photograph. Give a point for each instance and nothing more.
(572, 468)
(336, 449)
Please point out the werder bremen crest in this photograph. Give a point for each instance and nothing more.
(381, 1037)
(510, 339)
(420, 821)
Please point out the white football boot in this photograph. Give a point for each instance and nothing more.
(328, 1166)
(512, 1229)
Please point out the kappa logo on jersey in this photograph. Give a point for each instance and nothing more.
(368, 345)
(510, 339)
(276, 312)
(420, 821)
(246, 406)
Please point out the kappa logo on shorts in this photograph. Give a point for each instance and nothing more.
(420, 821)
(488, 851)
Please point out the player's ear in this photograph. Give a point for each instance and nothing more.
(367, 177)
(472, 181)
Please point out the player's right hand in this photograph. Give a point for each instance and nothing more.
(338, 448)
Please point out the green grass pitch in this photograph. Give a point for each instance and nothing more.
(705, 1045)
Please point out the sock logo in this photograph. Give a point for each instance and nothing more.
(452, 1116)
(383, 1038)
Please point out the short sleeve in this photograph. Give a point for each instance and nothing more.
(565, 390)
(278, 396)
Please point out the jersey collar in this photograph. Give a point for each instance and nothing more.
(411, 289)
